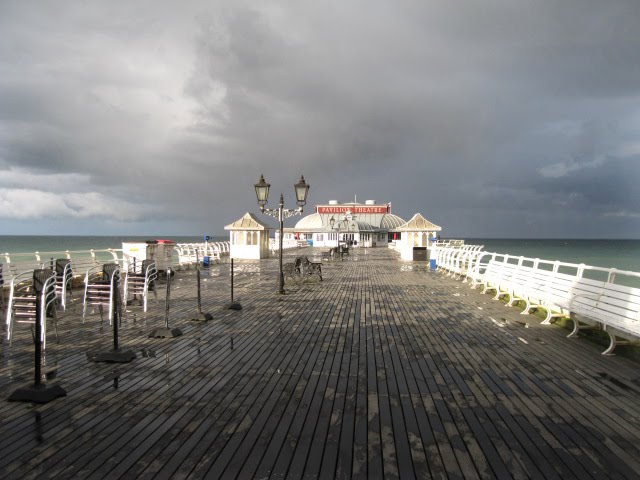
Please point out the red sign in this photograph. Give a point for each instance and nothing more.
(355, 209)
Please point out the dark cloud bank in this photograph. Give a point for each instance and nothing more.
(517, 119)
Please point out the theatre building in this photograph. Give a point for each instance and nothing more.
(356, 224)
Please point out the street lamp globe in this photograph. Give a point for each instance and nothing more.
(302, 189)
(262, 192)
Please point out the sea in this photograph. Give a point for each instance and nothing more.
(620, 254)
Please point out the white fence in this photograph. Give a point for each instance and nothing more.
(185, 255)
(190, 253)
(287, 243)
(81, 260)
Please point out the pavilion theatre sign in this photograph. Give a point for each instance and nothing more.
(355, 209)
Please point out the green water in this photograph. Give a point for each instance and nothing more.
(620, 254)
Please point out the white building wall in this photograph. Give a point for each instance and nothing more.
(249, 245)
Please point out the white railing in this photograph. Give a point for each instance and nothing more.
(287, 243)
(190, 253)
(457, 260)
(81, 260)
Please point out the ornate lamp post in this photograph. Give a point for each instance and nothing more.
(332, 222)
(348, 218)
(336, 226)
(262, 193)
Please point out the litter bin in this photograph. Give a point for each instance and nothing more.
(432, 256)
(159, 251)
(205, 261)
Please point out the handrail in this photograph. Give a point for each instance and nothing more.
(82, 259)
(447, 258)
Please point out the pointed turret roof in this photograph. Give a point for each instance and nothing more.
(247, 222)
(419, 224)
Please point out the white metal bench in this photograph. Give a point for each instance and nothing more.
(592, 297)
(568, 290)
(593, 303)
(497, 276)
(617, 308)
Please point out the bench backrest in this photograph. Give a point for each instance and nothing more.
(619, 307)
(614, 306)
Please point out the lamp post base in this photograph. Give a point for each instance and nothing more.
(38, 394)
(165, 333)
(115, 356)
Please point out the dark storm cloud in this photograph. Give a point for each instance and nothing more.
(488, 117)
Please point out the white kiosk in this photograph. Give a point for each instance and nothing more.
(249, 238)
(159, 251)
(414, 244)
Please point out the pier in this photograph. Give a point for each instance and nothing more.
(382, 370)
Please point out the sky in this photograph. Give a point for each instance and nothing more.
(508, 118)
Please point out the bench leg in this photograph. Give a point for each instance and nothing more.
(527, 308)
(530, 306)
(577, 327)
(614, 343)
(499, 293)
(487, 289)
(512, 299)
(550, 316)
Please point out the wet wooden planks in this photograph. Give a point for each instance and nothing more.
(383, 370)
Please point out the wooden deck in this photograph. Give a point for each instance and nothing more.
(383, 370)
